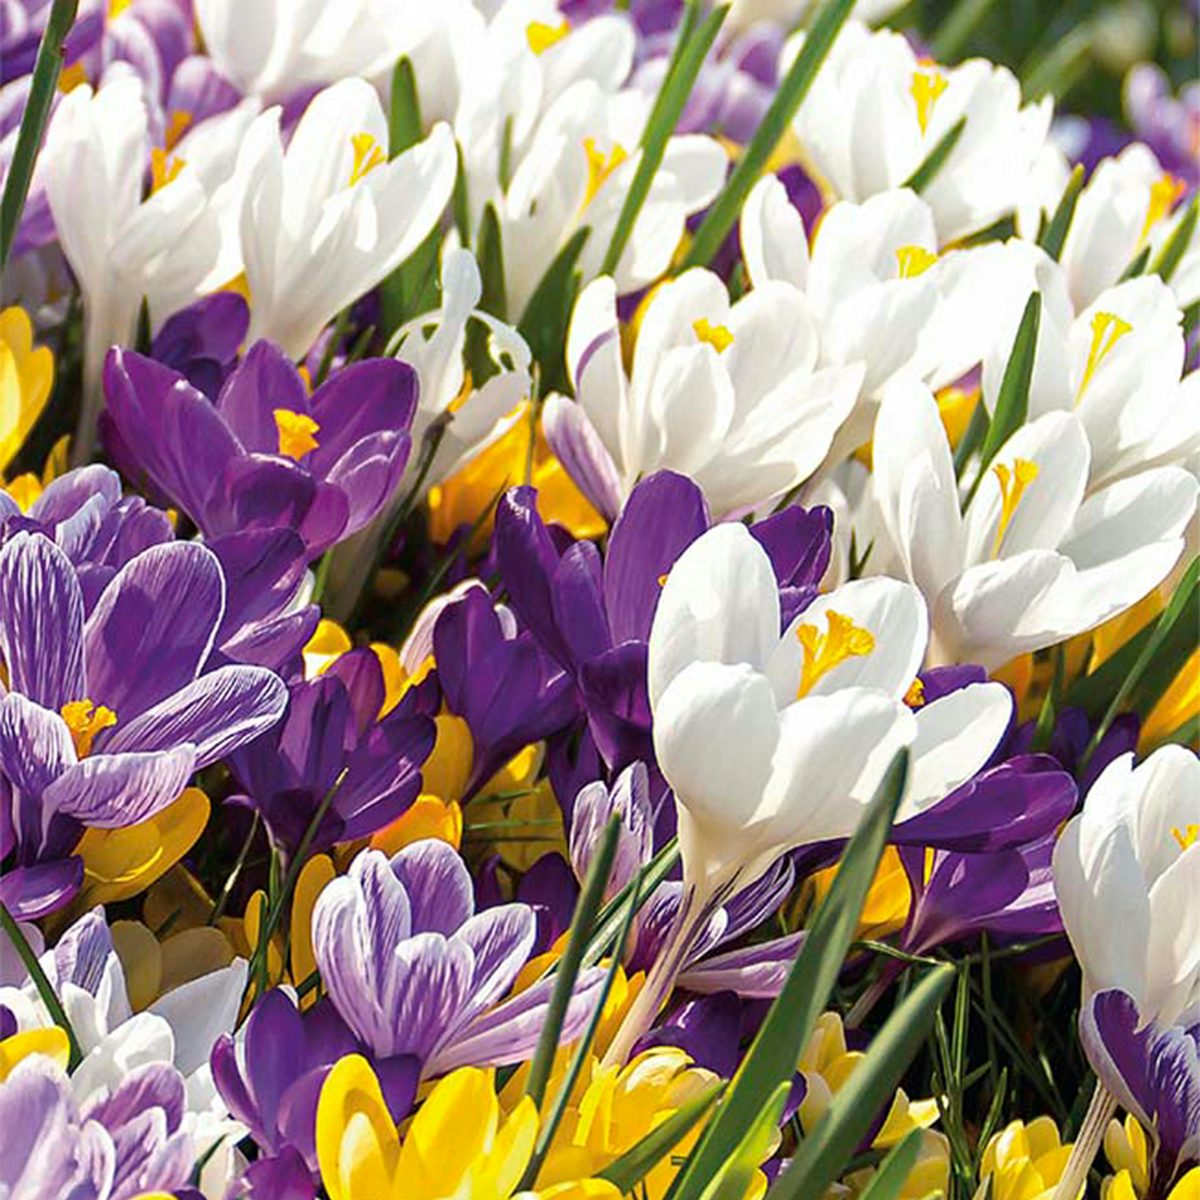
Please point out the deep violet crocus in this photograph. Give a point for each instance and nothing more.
(266, 620)
(267, 453)
(1153, 1071)
(108, 714)
(592, 616)
(420, 978)
(333, 755)
(113, 1147)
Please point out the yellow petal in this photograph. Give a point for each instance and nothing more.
(119, 863)
(448, 769)
(314, 875)
(1188, 1188)
(357, 1143)
(428, 817)
(327, 644)
(50, 1041)
(141, 959)
(443, 1141)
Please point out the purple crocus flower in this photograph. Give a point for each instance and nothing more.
(265, 621)
(108, 715)
(500, 681)
(593, 616)
(1169, 125)
(332, 740)
(267, 453)
(115, 1147)
(1153, 1071)
(270, 1077)
(420, 978)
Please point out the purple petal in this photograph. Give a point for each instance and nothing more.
(438, 886)
(753, 972)
(30, 893)
(154, 627)
(35, 744)
(41, 621)
(577, 445)
(111, 791)
(361, 401)
(500, 939)
(265, 380)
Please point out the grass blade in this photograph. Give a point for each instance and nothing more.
(572, 959)
(1054, 236)
(46, 69)
(609, 920)
(1176, 245)
(690, 53)
(1012, 405)
(732, 1179)
(822, 1155)
(925, 174)
(544, 322)
(773, 1055)
(893, 1171)
(778, 117)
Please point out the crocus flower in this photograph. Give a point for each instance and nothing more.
(499, 680)
(594, 620)
(419, 977)
(699, 399)
(127, 1144)
(1024, 1158)
(270, 1078)
(332, 739)
(201, 341)
(272, 454)
(121, 708)
(1170, 125)
(331, 217)
(457, 1145)
(1152, 1068)
(1032, 561)
(1124, 871)
(914, 104)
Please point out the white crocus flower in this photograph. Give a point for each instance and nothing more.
(331, 217)
(729, 394)
(1121, 211)
(1125, 872)
(876, 111)
(771, 742)
(274, 48)
(1031, 562)
(577, 171)
(121, 245)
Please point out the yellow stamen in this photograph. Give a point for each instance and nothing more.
(177, 125)
(824, 651)
(928, 83)
(295, 433)
(541, 36)
(464, 393)
(600, 166)
(1187, 836)
(164, 168)
(69, 78)
(662, 581)
(717, 336)
(117, 7)
(1012, 487)
(914, 261)
(1107, 330)
(1165, 191)
(368, 155)
(85, 720)
(915, 696)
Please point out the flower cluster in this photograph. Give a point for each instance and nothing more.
(599, 599)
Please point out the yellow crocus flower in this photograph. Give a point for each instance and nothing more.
(1025, 1161)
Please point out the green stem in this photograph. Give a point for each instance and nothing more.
(45, 990)
(46, 69)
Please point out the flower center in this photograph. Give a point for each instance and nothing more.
(600, 166)
(915, 696)
(541, 36)
(824, 651)
(85, 720)
(368, 155)
(1187, 836)
(164, 167)
(177, 125)
(295, 433)
(1164, 192)
(1107, 330)
(1013, 483)
(914, 261)
(928, 83)
(717, 336)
